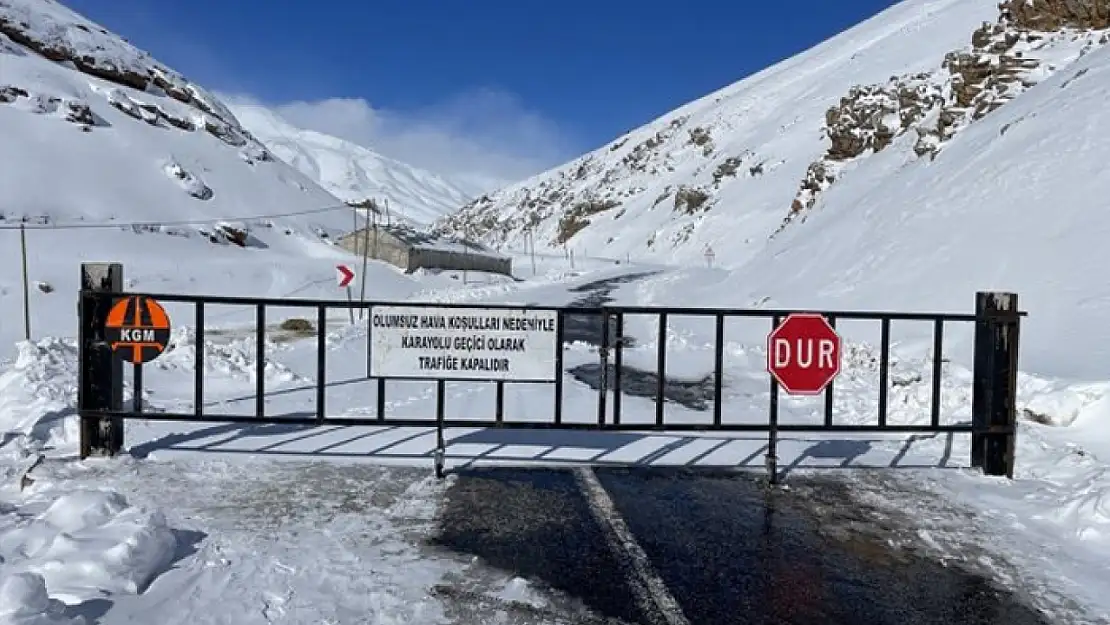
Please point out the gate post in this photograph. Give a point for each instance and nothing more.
(100, 383)
(994, 386)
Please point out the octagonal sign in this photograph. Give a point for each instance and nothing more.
(803, 354)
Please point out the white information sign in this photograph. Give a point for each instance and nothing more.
(463, 343)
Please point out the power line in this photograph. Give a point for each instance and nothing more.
(188, 222)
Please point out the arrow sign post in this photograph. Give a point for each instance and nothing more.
(344, 277)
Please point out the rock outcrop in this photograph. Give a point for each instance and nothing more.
(1000, 64)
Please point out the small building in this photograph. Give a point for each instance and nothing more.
(410, 250)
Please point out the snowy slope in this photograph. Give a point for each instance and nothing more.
(106, 135)
(855, 189)
(756, 138)
(1015, 202)
(727, 170)
(352, 172)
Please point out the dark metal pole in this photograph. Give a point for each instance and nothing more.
(321, 363)
(773, 425)
(994, 390)
(100, 375)
(603, 371)
(198, 372)
(441, 445)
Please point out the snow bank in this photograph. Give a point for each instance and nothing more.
(38, 394)
(234, 359)
(24, 601)
(75, 547)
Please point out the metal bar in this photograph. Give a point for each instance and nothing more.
(773, 421)
(321, 363)
(260, 360)
(631, 310)
(310, 420)
(303, 302)
(500, 408)
(380, 408)
(100, 374)
(198, 369)
(782, 313)
(938, 363)
(718, 368)
(603, 372)
(618, 368)
(884, 369)
(1000, 380)
(369, 342)
(661, 369)
(829, 388)
(441, 446)
(137, 388)
(559, 347)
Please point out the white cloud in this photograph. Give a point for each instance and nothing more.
(483, 138)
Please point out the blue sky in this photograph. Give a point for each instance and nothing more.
(495, 88)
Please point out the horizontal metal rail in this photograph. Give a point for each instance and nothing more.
(535, 425)
(231, 300)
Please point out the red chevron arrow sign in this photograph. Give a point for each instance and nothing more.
(344, 275)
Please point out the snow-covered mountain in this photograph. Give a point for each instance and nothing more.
(107, 154)
(353, 172)
(941, 147)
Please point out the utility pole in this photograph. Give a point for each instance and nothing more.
(26, 283)
(365, 255)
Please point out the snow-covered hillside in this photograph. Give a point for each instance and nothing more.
(728, 170)
(96, 133)
(353, 172)
(867, 172)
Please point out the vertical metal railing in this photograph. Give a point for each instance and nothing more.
(198, 360)
(322, 363)
(260, 361)
(938, 370)
(661, 371)
(718, 367)
(884, 369)
(829, 389)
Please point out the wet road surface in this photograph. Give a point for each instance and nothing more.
(683, 546)
(589, 328)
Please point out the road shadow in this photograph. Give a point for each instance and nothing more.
(550, 447)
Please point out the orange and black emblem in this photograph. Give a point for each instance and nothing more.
(138, 329)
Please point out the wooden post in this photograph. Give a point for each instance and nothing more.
(100, 384)
(994, 383)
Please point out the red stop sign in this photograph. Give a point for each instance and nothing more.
(803, 353)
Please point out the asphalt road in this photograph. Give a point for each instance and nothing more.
(677, 547)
